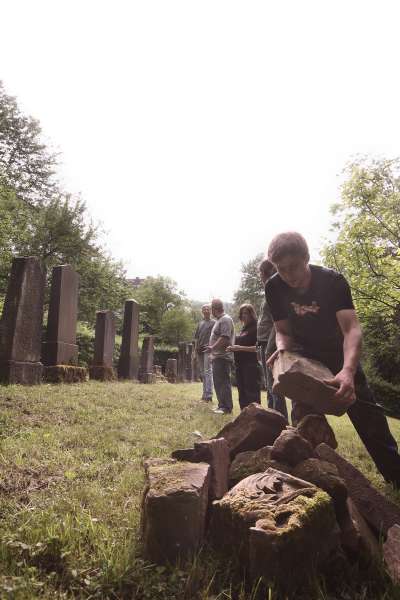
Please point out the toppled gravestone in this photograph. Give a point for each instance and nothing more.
(391, 553)
(253, 429)
(291, 448)
(215, 453)
(274, 524)
(254, 461)
(316, 430)
(174, 509)
(325, 476)
(303, 381)
(356, 537)
(376, 509)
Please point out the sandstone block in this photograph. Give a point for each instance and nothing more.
(316, 429)
(64, 374)
(377, 510)
(325, 476)
(291, 448)
(102, 373)
(174, 509)
(391, 552)
(253, 429)
(302, 380)
(128, 363)
(171, 370)
(253, 461)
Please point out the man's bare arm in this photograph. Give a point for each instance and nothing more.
(284, 339)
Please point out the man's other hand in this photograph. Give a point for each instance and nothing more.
(270, 361)
(344, 381)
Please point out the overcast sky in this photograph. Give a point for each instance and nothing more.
(195, 131)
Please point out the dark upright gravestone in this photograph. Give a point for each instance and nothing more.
(104, 342)
(189, 362)
(129, 357)
(146, 359)
(60, 346)
(171, 370)
(21, 324)
(182, 362)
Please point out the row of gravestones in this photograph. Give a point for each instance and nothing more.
(24, 358)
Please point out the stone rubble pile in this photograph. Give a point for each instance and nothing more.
(278, 499)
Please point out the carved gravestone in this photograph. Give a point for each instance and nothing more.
(60, 346)
(129, 358)
(171, 370)
(21, 325)
(303, 381)
(146, 360)
(104, 342)
(181, 362)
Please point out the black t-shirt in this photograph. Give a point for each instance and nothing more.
(247, 337)
(312, 314)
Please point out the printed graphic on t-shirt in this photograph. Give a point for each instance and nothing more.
(301, 309)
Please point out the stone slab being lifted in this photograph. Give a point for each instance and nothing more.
(377, 510)
(174, 509)
(302, 380)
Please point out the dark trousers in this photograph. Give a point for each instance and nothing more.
(248, 384)
(275, 401)
(371, 425)
(221, 369)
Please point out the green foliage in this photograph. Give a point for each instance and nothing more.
(251, 288)
(177, 325)
(156, 295)
(366, 249)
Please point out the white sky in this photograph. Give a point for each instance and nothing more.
(197, 130)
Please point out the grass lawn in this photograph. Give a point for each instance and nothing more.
(71, 479)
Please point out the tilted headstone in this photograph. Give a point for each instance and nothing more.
(21, 324)
(104, 342)
(146, 359)
(128, 363)
(189, 362)
(171, 370)
(60, 347)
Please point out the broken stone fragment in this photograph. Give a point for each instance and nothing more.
(254, 461)
(316, 429)
(356, 535)
(302, 380)
(253, 429)
(174, 509)
(377, 510)
(291, 448)
(325, 476)
(275, 522)
(391, 553)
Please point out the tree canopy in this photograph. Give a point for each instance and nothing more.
(251, 288)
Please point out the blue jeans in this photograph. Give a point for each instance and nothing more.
(205, 368)
(221, 369)
(274, 401)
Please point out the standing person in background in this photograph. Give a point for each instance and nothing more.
(222, 336)
(202, 338)
(245, 353)
(266, 342)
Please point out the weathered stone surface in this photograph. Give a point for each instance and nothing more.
(128, 363)
(104, 340)
(181, 367)
(171, 370)
(316, 429)
(215, 453)
(291, 448)
(21, 323)
(376, 509)
(325, 476)
(302, 380)
(253, 429)
(146, 358)
(253, 461)
(368, 546)
(275, 523)
(65, 374)
(189, 362)
(102, 373)
(174, 509)
(60, 346)
(391, 552)
(148, 378)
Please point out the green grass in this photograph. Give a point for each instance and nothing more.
(71, 481)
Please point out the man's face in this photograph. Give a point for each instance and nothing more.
(215, 310)
(294, 271)
(266, 274)
(206, 312)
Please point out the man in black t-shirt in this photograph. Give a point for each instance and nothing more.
(314, 315)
